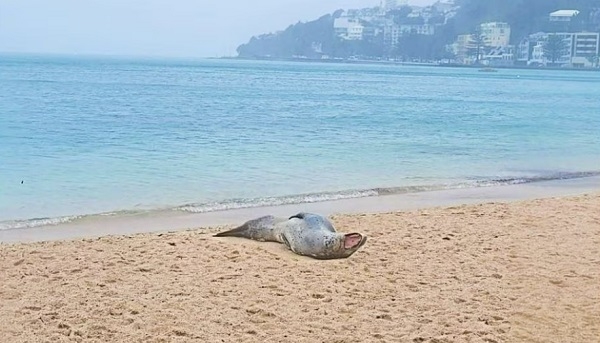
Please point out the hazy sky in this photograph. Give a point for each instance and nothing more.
(190, 28)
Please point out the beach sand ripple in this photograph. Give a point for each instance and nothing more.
(525, 271)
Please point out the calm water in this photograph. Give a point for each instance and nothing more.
(88, 135)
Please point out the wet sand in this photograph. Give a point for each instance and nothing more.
(521, 271)
(163, 221)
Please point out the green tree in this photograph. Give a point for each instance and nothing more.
(296, 39)
(478, 39)
(594, 60)
(555, 47)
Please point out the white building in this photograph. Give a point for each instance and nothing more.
(500, 56)
(563, 15)
(537, 54)
(585, 45)
(391, 34)
(579, 47)
(424, 29)
(462, 49)
(496, 34)
(348, 28)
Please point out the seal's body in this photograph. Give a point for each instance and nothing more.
(304, 233)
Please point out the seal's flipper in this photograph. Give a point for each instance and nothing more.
(300, 215)
(286, 242)
(315, 221)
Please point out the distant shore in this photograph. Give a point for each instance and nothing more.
(397, 63)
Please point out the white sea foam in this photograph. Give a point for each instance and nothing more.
(275, 201)
(232, 204)
(29, 223)
(349, 194)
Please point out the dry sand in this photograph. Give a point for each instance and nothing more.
(525, 271)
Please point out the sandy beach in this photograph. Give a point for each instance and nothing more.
(519, 271)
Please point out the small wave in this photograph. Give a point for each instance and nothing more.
(350, 194)
(233, 204)
(275, 201)
(29, 223)
(539, 178)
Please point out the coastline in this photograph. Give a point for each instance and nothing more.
(164, 221)
(186, 59)
(396, 63)
(522, 270)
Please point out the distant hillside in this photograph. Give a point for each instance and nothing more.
(317, 38)
(295, 40)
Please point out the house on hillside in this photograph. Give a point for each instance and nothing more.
(565, 21)
(563, 15)
(500, 56)
(348, 28)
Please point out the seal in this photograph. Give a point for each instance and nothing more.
(306, 234)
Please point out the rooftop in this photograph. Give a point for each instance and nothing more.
(564, 13)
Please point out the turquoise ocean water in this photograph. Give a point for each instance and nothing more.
(90, 135)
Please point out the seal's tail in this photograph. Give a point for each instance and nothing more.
(241, 231)
(260, 229)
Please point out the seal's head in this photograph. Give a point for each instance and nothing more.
(341, 245)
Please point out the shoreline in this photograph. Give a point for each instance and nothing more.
(396, 63)
(290, 59)
(291, 199)
(167, 221)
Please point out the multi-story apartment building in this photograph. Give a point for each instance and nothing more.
(392, 32)
(584, 46)
(496, 34)
(579, 47)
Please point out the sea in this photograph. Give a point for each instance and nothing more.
(87, 136)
